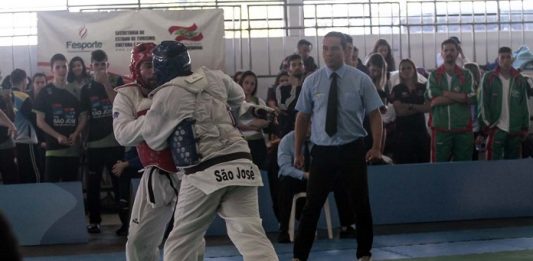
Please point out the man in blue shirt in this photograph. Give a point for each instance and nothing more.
(291, 181)
(335, 100)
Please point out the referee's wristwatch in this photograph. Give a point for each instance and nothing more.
(411, 107)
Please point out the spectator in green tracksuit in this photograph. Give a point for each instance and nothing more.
(503, 108)
(451, 91)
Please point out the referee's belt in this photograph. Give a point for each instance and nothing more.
(217, 160)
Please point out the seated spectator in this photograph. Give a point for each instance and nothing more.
(281, 79)
(237, 76)
(286, 96)
(273, 141)
(383, 47)
(304, 49)
(293, 180)
(411, 139)
(252, 129)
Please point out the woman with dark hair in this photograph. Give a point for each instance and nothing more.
(77, 76)
(237, 76)
(410, 143)
(377, 66)
(384, 48)
(252, 128)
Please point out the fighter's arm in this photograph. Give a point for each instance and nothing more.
(170, 106)
(235, 95)
(126, 124)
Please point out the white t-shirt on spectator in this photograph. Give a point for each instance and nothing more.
(503, 122)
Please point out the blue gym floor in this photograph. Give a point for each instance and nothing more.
(452, 244)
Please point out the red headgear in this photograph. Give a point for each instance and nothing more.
(139, 54)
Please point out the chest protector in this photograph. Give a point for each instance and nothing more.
(209, 132)
(147, 156)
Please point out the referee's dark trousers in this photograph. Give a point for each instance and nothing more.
(345, 166)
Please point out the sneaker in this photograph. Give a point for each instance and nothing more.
(365, 258)
(94, 229)
(347, 232)
(122, 231)
(283, 237)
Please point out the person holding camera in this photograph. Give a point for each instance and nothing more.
(252, 127)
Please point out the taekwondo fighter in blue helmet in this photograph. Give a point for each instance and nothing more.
(194, 115)
(156, 195)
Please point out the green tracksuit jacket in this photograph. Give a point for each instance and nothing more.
(491, 97)
(456, 116)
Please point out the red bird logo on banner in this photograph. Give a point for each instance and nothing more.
(186, 33)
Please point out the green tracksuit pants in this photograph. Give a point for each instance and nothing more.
(451, 146)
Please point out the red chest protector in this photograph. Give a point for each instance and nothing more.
(149, 157)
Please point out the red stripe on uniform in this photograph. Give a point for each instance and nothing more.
(490, 144)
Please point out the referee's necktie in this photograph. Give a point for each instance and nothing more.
(331, 114)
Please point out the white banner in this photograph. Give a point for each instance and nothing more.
(78, 34)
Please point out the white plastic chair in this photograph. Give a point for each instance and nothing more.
(292, 220)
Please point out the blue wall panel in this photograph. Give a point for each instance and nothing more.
(45, 213)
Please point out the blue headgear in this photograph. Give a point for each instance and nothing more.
(171, 59)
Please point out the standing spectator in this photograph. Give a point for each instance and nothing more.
(378, 73)
(384, 48)
(126, 170)
(304, 49)
(451, 91)
(461, 58)
(8, 166)
(348, 55)
(357, 61)
(252, 128)
(503, 108)
(103, 150)
(479, 146)
(337, 130)
(26, 139)
(410, 140)
(59, 116)
(77, 76)
(38, 83)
